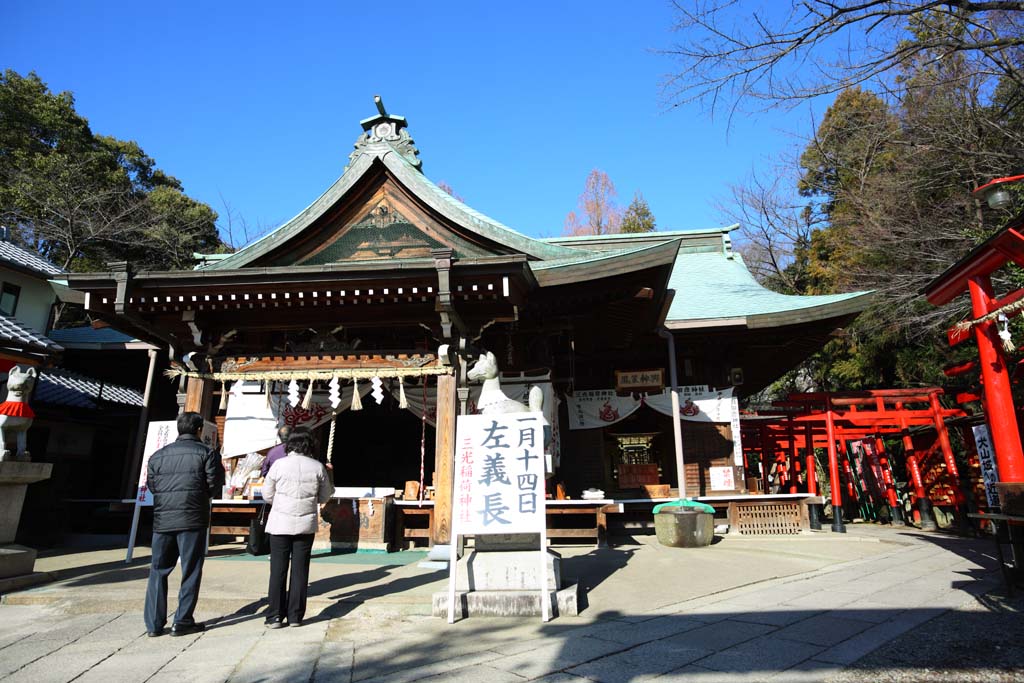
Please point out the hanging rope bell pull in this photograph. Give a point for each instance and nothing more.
(330, 436)
(307, 400)
(357, 403)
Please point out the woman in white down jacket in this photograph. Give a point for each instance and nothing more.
(295, 485)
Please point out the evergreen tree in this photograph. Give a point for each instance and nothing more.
(638, 216)
(82, 199)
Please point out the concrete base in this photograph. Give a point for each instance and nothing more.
(17, 583)
(16, 560)
(14, 479)
(438, 557)
(512, 570)
(507, 603)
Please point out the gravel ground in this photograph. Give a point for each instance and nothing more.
(981, 641)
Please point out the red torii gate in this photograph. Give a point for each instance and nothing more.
(973, 274)
(820, 419)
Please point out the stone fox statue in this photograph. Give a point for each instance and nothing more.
(15, 414)
(492, 399)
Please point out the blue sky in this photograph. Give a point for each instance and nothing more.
(512, 105)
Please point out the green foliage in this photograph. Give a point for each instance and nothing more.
(82, 199)
(638, 216)
(887, 184)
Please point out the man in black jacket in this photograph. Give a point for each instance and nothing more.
(183, 476)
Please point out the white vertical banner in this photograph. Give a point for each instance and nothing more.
(499, 485)
(734, 427)
(987, 459)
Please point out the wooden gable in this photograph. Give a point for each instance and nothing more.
(377, 220)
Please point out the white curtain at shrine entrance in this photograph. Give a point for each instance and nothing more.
(251, 424)
(601, 408)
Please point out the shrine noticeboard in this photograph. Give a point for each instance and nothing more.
(499, 474)
(498, 484)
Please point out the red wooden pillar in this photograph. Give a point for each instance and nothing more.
(812, 477)
(940, 427)
(923, 511)
(996, 384)
(765, 452)
(833, 471)
(794, 461)
(895, 508)
(844, 459)
(814, 511)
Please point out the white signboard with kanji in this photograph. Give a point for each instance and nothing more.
(158, 435)
(987, 460)
(499, 483)
(722, 479)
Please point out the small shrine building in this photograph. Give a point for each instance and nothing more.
(384, 291)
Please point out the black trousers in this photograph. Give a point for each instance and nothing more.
(190, 545)
(290, 602)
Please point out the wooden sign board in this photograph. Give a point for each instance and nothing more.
(636, 476)
(639, 380)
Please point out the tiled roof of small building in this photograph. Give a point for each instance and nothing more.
(66, 388)
(90, 335)
(15, 333)
(12, 253)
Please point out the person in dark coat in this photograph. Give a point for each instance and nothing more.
(183, 476)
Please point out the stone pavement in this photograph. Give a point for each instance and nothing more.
(789, 610)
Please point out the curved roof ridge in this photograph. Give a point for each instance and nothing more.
(462, 213)
(422, 187)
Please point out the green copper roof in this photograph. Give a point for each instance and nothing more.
(716, 288)
(713, 286)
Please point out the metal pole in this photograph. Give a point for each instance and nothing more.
(677, 432)
(996, 384)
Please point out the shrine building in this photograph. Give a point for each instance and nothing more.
(363, 316)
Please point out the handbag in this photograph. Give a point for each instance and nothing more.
(259, 539)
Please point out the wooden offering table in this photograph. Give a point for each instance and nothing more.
(416, 509)
(356, 518)
(231, 516)
(599, 509)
